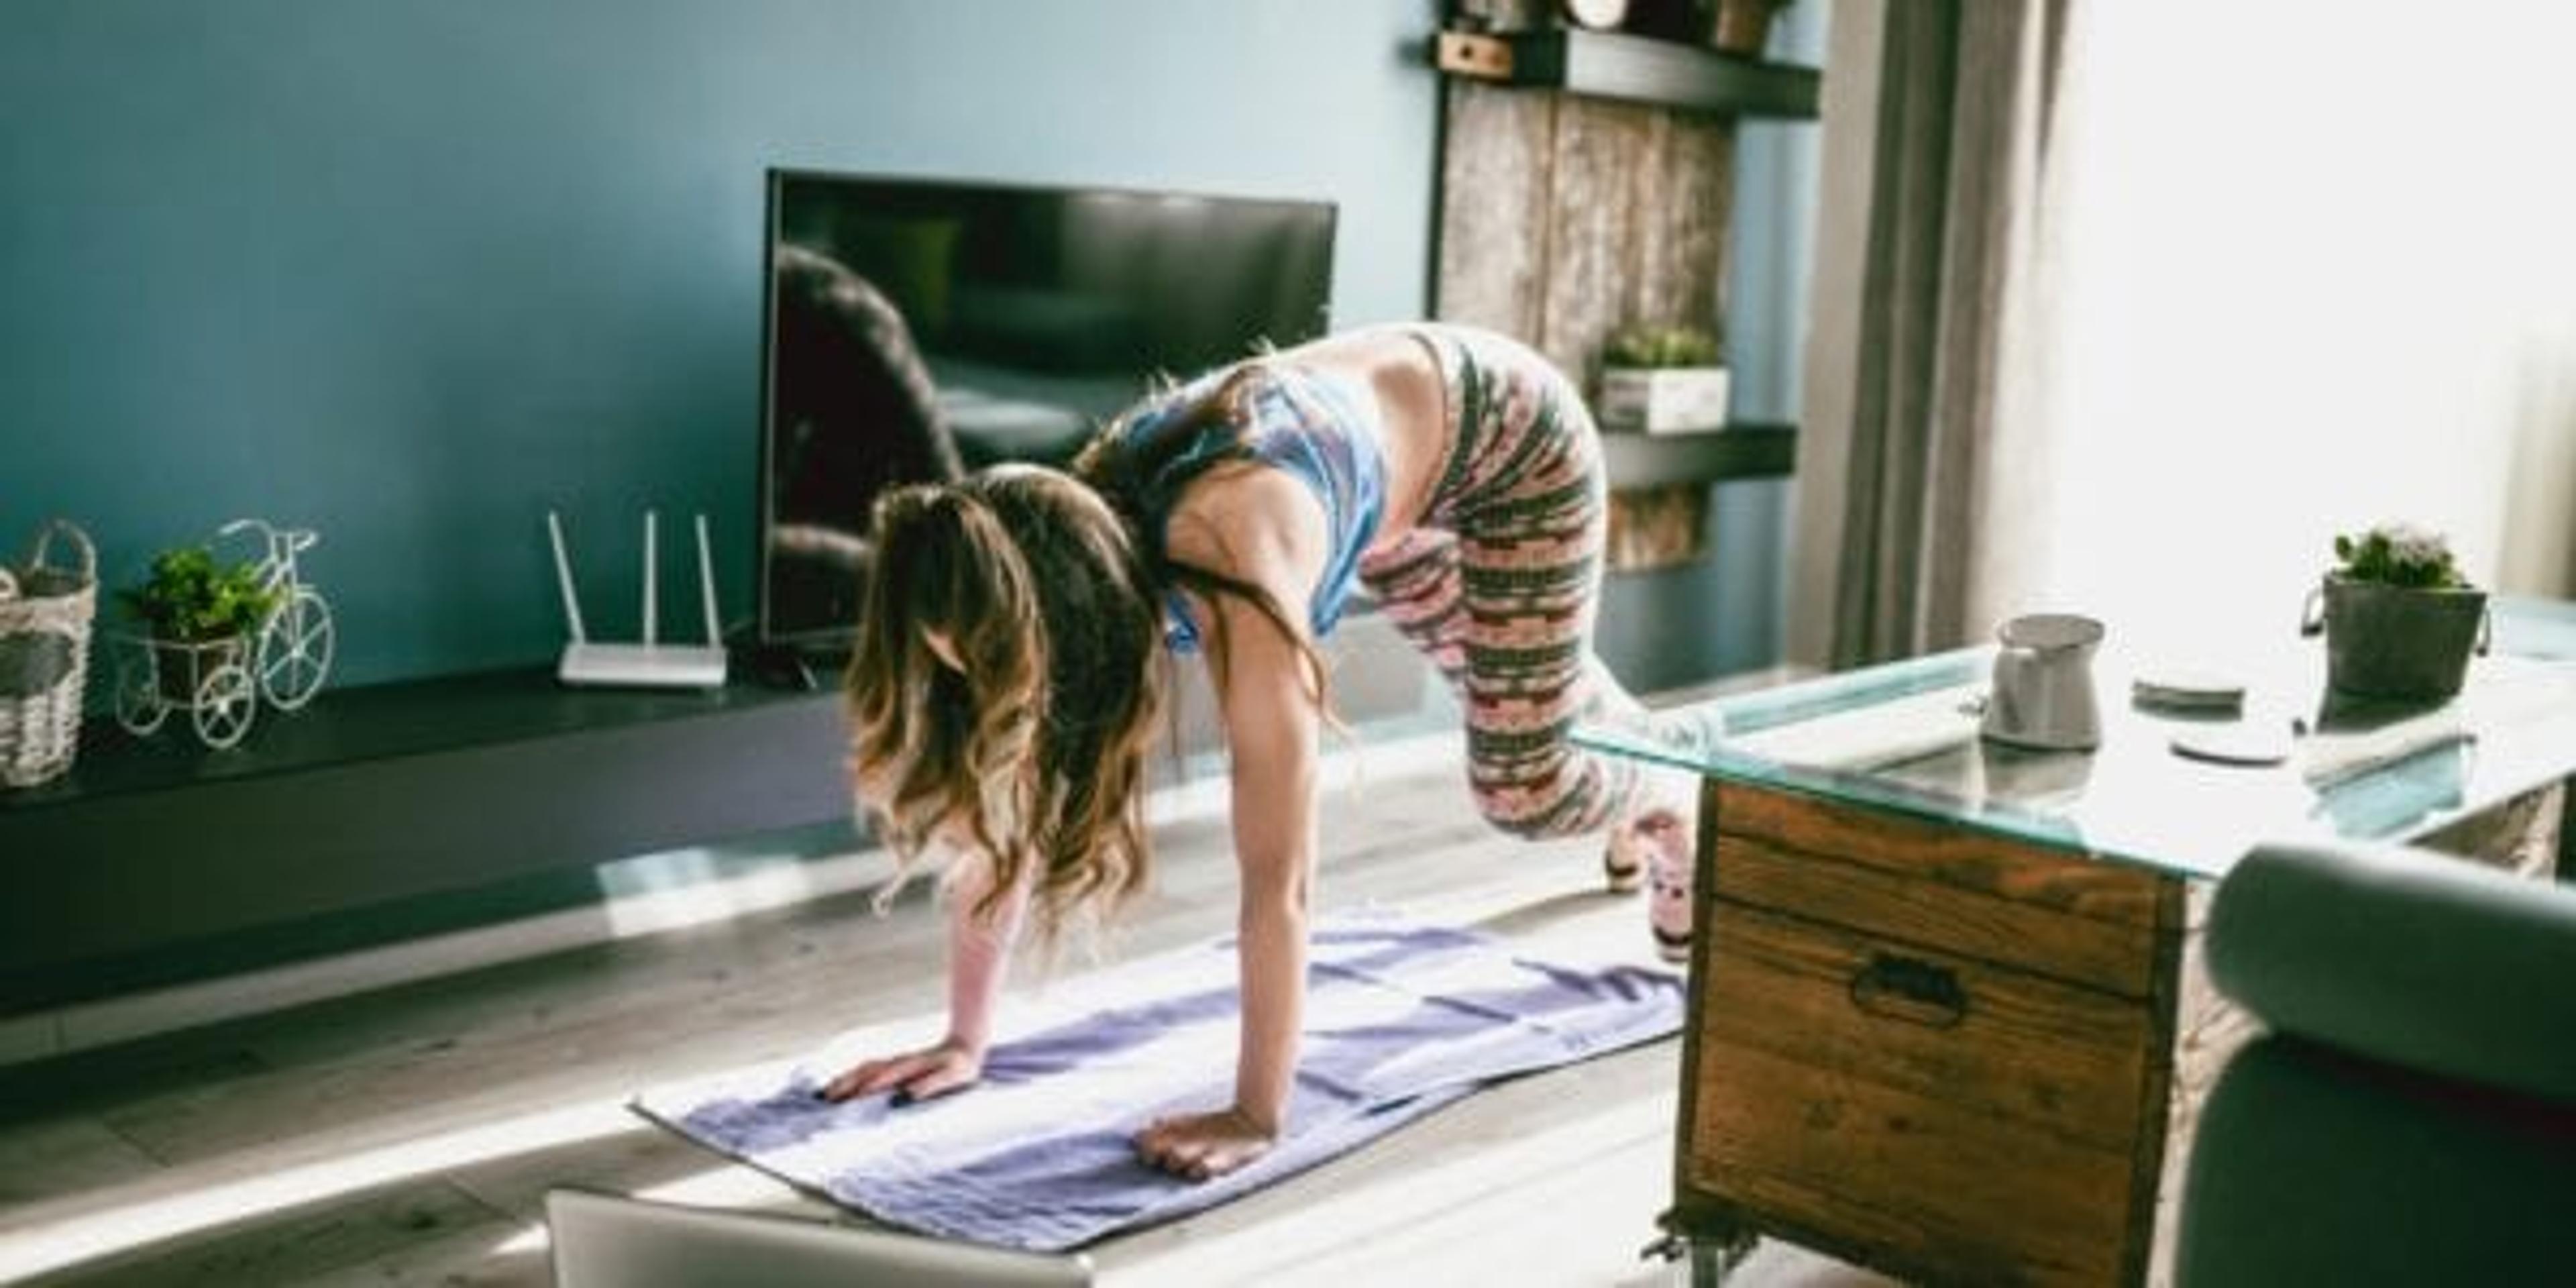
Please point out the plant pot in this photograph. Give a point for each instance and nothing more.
(1664, 400)
(2400, 642)
(1743, 27)
(181, 667)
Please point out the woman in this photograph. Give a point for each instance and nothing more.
(1011, 659)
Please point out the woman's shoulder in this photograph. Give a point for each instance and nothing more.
(1250, 521)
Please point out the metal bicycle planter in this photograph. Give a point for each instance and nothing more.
(208, 680)
(221, 682)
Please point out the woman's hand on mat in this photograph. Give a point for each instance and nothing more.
(1205, 1146)
(949, 1066)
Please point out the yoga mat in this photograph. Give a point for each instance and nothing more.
(1401, 1018)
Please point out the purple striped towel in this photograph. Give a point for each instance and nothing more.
(1400, 1019)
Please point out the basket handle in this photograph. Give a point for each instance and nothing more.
(80, 539)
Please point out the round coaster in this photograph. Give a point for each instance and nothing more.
(2237, 742)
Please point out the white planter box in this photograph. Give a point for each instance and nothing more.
(1664, 400)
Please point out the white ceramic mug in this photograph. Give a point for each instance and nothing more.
(2043, 685)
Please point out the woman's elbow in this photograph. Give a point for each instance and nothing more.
(1283, 900)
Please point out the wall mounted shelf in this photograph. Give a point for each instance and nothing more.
(1638, 69)
(1738, 452)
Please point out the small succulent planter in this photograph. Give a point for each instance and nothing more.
(1663, 380)
(2399, 620)
(1664, 400)
(2402, 642)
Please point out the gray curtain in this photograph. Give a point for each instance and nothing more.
(1926, 364)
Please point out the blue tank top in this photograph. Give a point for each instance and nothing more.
(1319, 429)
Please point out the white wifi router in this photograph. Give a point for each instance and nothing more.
(649, 664)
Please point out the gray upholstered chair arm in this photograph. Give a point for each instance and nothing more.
(2411, 958)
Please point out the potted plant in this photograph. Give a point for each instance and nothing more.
(201, 616)
(1743, 27)
(1663, 380)
(2400, 620)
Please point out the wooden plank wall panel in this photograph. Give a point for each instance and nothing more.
(1495, 174)
(1682, 244)
(1593, 219)
(1563, 217)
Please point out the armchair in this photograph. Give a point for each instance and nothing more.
(2409, 1116)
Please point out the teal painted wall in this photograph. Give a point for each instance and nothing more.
(410, 272)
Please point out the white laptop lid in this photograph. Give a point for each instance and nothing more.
(608, 1241)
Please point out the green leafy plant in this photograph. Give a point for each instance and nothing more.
(1662, 346)
(2398, 554)
(190, 598)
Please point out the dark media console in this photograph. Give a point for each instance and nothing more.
(382, 793)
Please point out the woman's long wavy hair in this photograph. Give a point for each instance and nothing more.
(1049, 589)
(1034, 745)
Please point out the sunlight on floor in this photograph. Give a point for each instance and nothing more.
(1401, 1195)
(690, 887)
(49, 1246)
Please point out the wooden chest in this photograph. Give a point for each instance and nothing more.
(1948, 1055)
(1924, 1049)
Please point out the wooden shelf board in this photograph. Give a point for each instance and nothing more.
(1738, 452)
(1638, 69)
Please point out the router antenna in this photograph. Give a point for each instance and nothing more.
(707, 583)
(652, 610)
(563, 578)
(644, 663)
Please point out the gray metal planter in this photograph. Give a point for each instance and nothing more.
(2399, 642)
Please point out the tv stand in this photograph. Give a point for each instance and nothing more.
(382, 793)
(793, 669)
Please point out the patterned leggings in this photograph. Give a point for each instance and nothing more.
(1499, 583)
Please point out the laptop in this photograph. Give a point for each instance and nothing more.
(611, 1241)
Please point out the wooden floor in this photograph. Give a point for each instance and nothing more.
(407, 1136)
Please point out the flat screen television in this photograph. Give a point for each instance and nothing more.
(917, 328)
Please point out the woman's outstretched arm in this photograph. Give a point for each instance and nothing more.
(979, 959)
(1272, 713)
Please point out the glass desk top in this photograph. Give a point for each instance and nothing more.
(1904, 736)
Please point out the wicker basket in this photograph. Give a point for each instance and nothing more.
(44, 657)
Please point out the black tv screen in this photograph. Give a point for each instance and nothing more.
(917, 329)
